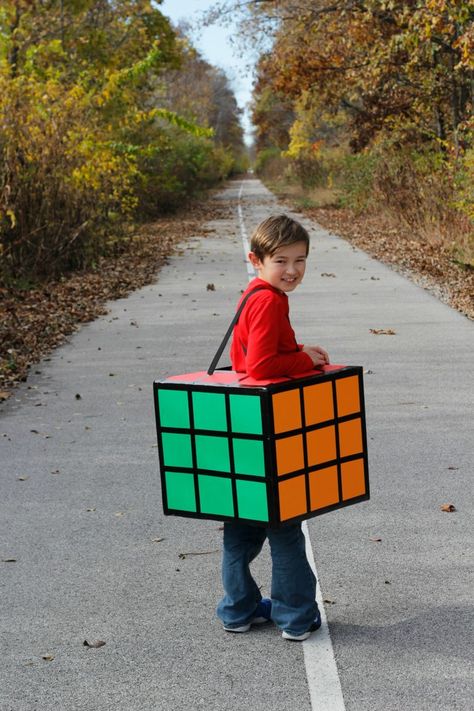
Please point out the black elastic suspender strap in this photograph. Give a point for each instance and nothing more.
(215, 360)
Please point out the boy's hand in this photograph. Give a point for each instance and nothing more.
(317, 354)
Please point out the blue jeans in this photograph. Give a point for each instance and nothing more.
(294, 607)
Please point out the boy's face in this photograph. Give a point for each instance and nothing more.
(285, 268)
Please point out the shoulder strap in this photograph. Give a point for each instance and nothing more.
(215, 360)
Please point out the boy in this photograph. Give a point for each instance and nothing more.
(264, 346)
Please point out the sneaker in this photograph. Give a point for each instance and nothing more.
(262, 614)
(301, 637)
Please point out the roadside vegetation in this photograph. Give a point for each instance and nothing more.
(111, 125)
(108, 116)
(364, 116)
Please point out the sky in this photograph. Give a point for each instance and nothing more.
(214, 45)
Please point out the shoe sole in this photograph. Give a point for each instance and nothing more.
(244, 628)
(301, 637)
(260, 620)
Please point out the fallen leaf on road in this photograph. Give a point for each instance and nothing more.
(23, 478)
(328, 601)
(183, 556)
(90, 509)
(47, 657)
(4, 395)
(382, 331)
(8, 560)
(376, 540)
(157, 540)
(453, 468)
(46, 436)
(449, 508)
(210, 287)
(55, 471)
(93, 645)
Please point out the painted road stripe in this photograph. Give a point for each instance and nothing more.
(321, 670)
(245, 240)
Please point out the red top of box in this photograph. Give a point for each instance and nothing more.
(230, 377)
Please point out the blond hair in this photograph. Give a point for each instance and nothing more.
(275, 232)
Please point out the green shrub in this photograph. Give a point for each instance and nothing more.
(270, 163)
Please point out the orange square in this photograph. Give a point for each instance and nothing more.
(347, 393)
(323, 488)
(350, 437)
(321, 445)
(292, 496)
(286, 411)
(353, 479)
(318, 403)
(289, 454)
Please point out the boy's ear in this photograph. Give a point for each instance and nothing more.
(254, 260)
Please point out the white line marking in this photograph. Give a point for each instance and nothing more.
(321, 670)
(245, 241)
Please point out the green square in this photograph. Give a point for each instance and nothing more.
(248, 457)
(173, 408)
(212, 453)
(252, 500)
(245, 414)
(209, 411)
(177, 450)
(215, 495)
(180, 493)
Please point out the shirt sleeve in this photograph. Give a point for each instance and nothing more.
(263, 359)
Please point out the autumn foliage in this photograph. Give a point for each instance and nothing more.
(91, 137)
(374, 98)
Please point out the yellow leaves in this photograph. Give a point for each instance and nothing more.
(180, 122)
(74, 97)
(11, 215)
(300, 137)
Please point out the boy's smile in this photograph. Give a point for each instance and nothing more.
(285, 268)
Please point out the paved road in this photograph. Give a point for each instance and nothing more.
(82, 522)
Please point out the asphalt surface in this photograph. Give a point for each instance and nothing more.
(95, 559)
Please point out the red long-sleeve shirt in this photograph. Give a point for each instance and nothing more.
(263, 342)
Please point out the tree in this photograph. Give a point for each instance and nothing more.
(404, 64)
(86, 143)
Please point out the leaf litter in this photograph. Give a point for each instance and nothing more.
(448, 508)
(36, 320)
(183, 556)
(424, 262)
(96, 644)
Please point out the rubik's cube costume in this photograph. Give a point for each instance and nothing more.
(266, 451)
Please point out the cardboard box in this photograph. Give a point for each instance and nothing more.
(263, 452)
